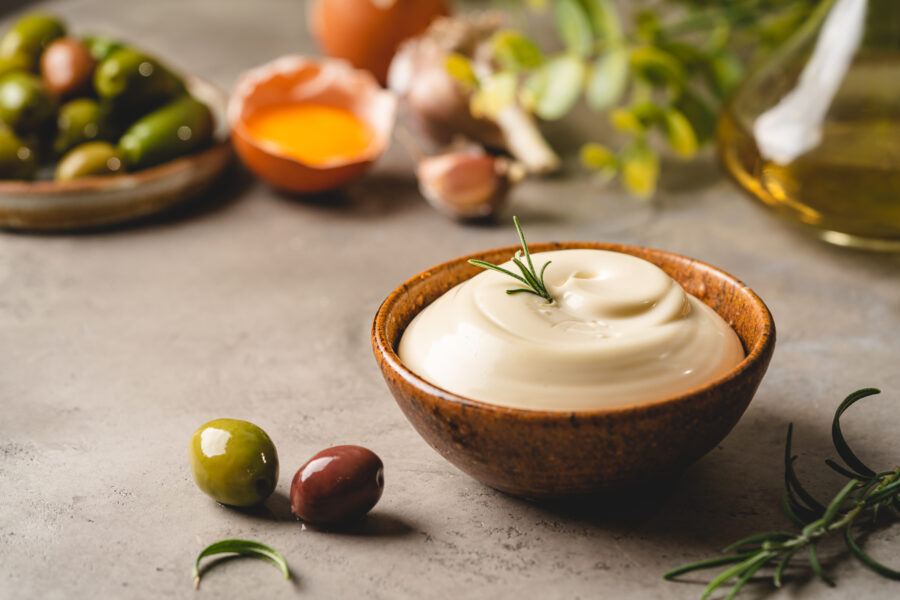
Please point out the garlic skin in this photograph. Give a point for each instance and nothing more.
(439, 104)
(467, 184)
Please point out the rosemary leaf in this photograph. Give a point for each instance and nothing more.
(707, 564)
(833, 508)
(534, 283)
(867, 560)
(759, 537)
(779, 570)
(242, 548)
(838, 468)
(792, 482)
(838, 437)
(817, 566)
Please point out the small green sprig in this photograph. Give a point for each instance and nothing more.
(857, 504)
(241, 548)
(533, 281)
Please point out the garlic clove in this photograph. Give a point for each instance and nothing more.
(467, 184)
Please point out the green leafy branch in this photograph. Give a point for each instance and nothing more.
(857, 505)
(664, 75)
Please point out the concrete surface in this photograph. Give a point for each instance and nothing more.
(116, 345)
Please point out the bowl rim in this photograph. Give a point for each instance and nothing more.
(209, 93)
(760, 351)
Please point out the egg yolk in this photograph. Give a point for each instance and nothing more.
(315, 134)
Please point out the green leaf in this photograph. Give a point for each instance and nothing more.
(757, 538)
(604, 18)
(679, 133)
(838, 468)
(735, 571)
(817, 566)
(792, 482)
(514, 51)
(867, 560)
(574, 27)
(835, 506)
(241, 548)
(647, 25)
(779, 570)
(657, 66)
(707, 564)
(496, 93)
(459, 67)
(598, 157)
(837, 437)
(608, 79)
(640, 170)
(724, 72)
(698, 112)
(625, 120)
(559, 86)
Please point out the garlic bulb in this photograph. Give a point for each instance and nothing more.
(439, 104)
(467, 183)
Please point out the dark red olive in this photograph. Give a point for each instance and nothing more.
(67, 66)
(337, 484)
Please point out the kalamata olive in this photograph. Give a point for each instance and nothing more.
(337, 484)
(234, 462)
(67, 66)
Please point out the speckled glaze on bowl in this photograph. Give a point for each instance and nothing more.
(552, 454)
(95, 201)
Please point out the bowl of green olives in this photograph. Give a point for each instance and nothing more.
(95, 132)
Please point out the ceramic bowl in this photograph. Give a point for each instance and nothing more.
(552, 454)
(96, 201)
(322, 81)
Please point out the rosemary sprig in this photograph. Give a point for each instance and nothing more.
(533, 281)
(242, 548)
(857, 504)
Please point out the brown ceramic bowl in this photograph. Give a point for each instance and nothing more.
(96, 201)
(549, 454)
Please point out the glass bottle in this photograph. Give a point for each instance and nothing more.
(815, 132)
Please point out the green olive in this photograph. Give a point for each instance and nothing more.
(89, 160)
(234, 462)
(176, 129)
(17, 160)
(24, 101)
(16, 62)
(29, 36)
(133, 83)
(81, 120)
(101, 46)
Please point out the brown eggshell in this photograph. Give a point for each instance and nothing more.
(337, 484)
(67, 66)
(368, 32)
(321, 81)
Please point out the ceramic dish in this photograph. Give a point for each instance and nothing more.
(94, 201)
(550, 454)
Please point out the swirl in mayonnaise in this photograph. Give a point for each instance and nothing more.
(620, 332)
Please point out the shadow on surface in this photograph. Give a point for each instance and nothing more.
(378, 194)
(377, 524)
(224, 192)
(733, 492)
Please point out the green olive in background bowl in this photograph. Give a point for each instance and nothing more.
(234, 462)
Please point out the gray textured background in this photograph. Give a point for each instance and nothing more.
(117, 345)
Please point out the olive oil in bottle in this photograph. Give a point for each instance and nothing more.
(846, 185)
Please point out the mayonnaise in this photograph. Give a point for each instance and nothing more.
(619, 332)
